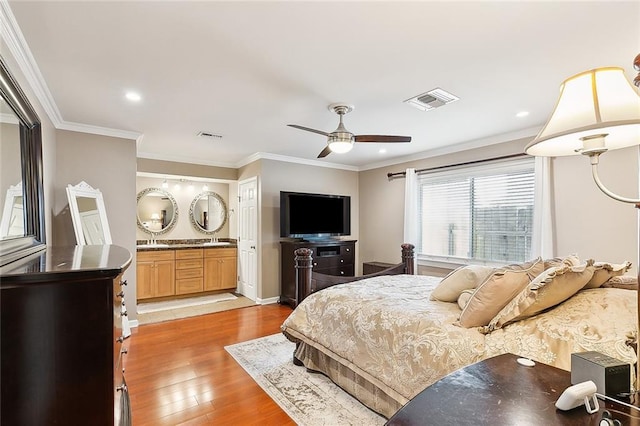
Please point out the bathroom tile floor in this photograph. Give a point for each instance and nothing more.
(154, 312)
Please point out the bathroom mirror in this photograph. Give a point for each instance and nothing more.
(208, 212)
(157, 211)
(21, 161)
(88, 214)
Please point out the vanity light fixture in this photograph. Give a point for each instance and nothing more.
(165, 184)
(190, 187)
(205, 187)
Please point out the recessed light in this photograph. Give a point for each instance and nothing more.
(522, 114)
(133, 96)
(382, 151)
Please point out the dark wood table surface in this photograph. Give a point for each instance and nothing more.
(499, 391)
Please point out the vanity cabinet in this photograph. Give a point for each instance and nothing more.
(155, 274)
(220, 269)
(189, 271)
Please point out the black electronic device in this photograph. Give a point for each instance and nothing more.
(611, 376)
(314, 216)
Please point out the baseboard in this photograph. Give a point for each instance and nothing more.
(267, 301)
(133, 323)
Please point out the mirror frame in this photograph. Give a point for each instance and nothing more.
(85, 190)
(173, 221)
(195, 223)
(33, 240)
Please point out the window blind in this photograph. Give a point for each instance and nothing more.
(481, 213)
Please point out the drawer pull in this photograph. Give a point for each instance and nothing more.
(121, 388)
(120, 339)
(124, 314)
(124, 351)
(120, 294)
(341, 260)
(341, 272)
(123, 283)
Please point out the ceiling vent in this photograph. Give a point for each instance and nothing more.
(209, 135)
(432, 99)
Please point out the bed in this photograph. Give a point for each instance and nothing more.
(383, 340)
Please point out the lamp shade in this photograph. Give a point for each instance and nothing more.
(597, 109)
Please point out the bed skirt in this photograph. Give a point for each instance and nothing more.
(363, 389)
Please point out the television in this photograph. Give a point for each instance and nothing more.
(314, 216)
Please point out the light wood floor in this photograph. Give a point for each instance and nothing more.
(179, 373)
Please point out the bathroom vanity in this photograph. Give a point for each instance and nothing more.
(185, 268)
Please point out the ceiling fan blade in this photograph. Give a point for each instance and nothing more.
(326, 151)
(320, 132)
(382, 138)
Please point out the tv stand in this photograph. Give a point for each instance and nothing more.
(331, 257)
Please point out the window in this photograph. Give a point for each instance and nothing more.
(477, 214)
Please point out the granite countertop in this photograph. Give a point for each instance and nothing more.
(143, 245)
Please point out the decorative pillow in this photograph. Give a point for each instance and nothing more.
(464, 298)
(552, 287)
(623, 281)
(571, 260)
(496, 291)
(463, 278)
(604, 271)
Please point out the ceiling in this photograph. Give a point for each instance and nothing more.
(244, 70)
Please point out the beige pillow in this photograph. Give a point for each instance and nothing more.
(552, 287)
(464, 298)
(604, 271)
(496, 291)
(622, 281)
(463, 278)
(571, 260)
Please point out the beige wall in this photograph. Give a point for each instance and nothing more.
(186, 169)
(586, 221)
(112, 170)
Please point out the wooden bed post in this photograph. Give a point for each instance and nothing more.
(303, 272)
(408, 258)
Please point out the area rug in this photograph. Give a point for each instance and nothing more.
(149, 313)
(310, 399)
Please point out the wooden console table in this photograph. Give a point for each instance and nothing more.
(499, 391)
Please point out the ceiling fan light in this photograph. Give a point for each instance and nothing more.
(340, 147)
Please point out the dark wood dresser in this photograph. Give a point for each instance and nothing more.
(329, 257)
(62, 339)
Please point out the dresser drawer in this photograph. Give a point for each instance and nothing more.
(190, 285)
(189, 254)
(342, 271)
(146, 256)
(188, 273)
(189, 263)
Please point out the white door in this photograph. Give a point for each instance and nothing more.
(248, 238)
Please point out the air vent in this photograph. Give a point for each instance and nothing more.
(432, 99)
(209, 135)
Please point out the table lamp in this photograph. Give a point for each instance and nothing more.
(597, 111)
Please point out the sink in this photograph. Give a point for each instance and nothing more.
(156, 245)
(217, 243)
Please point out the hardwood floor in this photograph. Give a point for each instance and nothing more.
(179, 373)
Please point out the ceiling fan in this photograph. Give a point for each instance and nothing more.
(341, 140)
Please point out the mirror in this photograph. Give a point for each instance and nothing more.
(88, 214)
(208, 212)
(157, 211)
(12, 222)
(21, 145)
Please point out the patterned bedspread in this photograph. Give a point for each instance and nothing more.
(388, 331)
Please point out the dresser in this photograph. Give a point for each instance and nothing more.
(329, 257)
(61, 338)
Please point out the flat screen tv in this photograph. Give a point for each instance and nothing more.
(314, 216)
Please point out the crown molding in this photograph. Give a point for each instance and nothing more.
(97, 130)
(288, 159)
(184, 159)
